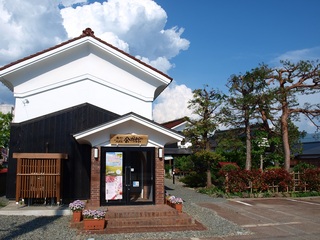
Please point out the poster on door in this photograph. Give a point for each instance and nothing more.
(114, 175)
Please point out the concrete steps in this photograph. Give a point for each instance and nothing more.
(153, 218)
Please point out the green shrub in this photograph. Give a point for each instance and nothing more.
(228, 168)
(301, 167)
(212, 191)
(194, 179)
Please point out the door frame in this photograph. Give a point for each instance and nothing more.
(125, 150)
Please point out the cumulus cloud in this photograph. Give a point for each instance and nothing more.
(69, 3)
(27, 27)
(172, 103)
(138, 24)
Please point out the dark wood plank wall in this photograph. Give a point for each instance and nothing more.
(53, 133)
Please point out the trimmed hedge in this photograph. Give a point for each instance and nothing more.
(277, 179)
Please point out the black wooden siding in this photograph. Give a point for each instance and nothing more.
(53, 133)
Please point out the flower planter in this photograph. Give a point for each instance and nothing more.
(178, 207)
(77, 216)
(94, 224)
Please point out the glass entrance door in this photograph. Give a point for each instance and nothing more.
(127, 176)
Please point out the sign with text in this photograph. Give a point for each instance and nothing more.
(129, 139)
(114, 175)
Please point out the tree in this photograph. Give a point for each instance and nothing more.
(292, 80)
(204, 104)
(231, 145)
(245, 93)
(5, 120)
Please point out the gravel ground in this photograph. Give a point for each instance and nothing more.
(57, 227)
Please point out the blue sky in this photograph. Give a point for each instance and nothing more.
(231, 36)
(197, 43)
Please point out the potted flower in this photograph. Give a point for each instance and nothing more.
(171, 200)
(167, 199)
(76, 207)
(94, 219)
(177, 204)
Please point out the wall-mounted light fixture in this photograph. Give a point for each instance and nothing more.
(160, 152)
(96, 153)
(25, 101)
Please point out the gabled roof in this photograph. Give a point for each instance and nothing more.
(85, 33)
(174, 123)
(129, 123)
(310, 148)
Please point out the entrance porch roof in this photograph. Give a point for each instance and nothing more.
(130, 123)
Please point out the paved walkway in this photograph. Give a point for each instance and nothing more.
(40, 210)
(273, 218)
(243, 219)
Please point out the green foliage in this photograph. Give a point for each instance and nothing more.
(194, 179)
(245, 93)
(208, 157)
(213, 192)
(167, 168)
(230, 145)
(305, 194)
(184, 163)
(228, 168)
(301, 167)
(205, 104)
(5, 120)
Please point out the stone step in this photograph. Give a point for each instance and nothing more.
(153, 218)
(180, 220)
(140, 212)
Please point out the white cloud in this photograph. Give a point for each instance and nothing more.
(172, 103)
(161, 63)
(68, 3)
(115, 41)
(27, 27)
(297, 55)
(137, 24)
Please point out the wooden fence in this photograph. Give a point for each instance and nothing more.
(38, 175)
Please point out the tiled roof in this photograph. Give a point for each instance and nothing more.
(173, 123)
(85, 33)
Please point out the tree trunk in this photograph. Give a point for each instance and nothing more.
(285, 140)
(209, 181)
(248, 144)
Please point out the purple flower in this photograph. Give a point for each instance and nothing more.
(77, 205)
(94, 214)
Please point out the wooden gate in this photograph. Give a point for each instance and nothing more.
(38, 175)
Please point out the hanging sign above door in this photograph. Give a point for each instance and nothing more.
(128, 139)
